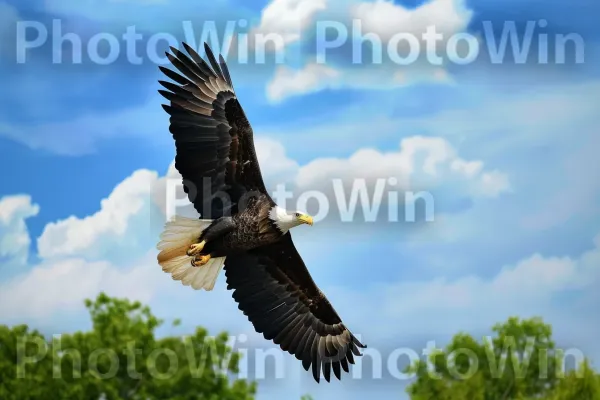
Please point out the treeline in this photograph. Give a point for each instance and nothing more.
(520, 362)
(121, 358)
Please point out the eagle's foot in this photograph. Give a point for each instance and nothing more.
(196, 248)
(199, 260)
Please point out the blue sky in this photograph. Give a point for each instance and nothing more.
(507, 150)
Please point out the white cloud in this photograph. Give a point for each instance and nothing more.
(384, 19)
(436, 307)
(312, 78)
(111, 251)
(286, 19)
(56, 290)
(108, 230)
(276, 167)
(443, 306)
(424, 161)
(14, 236)
(134, 213)
(58, 287)
(529, 135)
(62, 286)
(425, 309)
(125, 228)
(387, 18)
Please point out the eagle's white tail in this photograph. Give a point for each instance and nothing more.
(178, 235)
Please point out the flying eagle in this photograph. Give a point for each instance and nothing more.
(241, 228)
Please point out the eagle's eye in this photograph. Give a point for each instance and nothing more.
(297, 214)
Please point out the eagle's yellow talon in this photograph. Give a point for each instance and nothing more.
(199, 261)
(196, 248)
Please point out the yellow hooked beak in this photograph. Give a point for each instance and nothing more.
(305, 219)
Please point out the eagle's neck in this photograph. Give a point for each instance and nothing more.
(282, 219)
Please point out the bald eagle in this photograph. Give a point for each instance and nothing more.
(241, 229)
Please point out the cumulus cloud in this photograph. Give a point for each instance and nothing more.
(379, 22)
(419, 159)
(133, 214)
(129, 220)
(523, 132)
(276, 167)
(14, 236)
(427, 309)
(426, 166)
(285, 20)
(56, 290)
(108, 232)
(312, 78)
(135, 211)
(111, 251)
(441, 307)
(385, 17)
(62, 286)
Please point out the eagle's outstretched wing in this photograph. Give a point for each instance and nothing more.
(214, 143)
(274, 289)
(217, 160)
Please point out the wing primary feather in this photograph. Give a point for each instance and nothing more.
(190, 64)
(282, 301)
(225, 70)
(344, 363)
(327, 370)
(297, 338)
(174, 75)
(322, 357)
(349, 356)
(201, 63)
(336, 370)
(213, 61)
(189, 91)
(316, 364)
(184, 69)
(307, 350)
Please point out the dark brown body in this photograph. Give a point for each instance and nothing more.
(244, 231)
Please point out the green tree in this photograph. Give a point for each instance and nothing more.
(580, 384)
(519, 362)
(16, 382)
(119, 358)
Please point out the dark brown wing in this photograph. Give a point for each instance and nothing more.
(214, 142)
(276, 292)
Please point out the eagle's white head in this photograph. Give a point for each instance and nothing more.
(286, 220)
